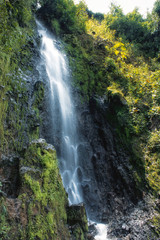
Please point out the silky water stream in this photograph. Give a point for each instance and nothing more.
(63, 109)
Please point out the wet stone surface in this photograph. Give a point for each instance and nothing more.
(136, 225)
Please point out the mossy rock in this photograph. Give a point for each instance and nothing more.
(78, 232)
(38, 94)
(39, 211)
(42, 193)
(77, 219)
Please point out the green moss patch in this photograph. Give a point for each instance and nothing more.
(42, 193)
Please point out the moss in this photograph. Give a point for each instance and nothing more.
(38, 95)
(76, 218)
(156, 226)
(15, 51)
(45, 193)
(78, 233)
(152, 163)
(4, 226)
(85, 59)
(40, 208)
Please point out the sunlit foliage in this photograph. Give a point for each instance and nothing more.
(134, 28)
(133, 78)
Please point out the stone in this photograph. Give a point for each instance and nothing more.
(24, 170)
(77, 215)
(125, 227)
(49, 147)
(40, 140)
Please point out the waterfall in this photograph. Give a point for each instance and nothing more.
(64, 122)
(63, 109)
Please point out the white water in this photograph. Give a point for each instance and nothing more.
(58, 75)
(102, 232)
(57, 71)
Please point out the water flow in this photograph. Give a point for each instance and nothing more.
(62, 108)
(63, 115)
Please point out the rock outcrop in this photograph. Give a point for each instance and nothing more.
(34, 203)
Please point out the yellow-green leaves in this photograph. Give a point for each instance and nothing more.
(120, 51)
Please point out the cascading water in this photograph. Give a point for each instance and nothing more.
(62, 108)
(64, 118)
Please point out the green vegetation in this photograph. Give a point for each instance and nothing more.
(4, 227)
(16, 40)
(116, 56)
(133, 28)
(42, 194)
(63, 16)
(155, 221)
(39, 212)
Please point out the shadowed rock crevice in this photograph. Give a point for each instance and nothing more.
(10, 177)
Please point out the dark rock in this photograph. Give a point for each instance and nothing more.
(134, 225)
(49, 147)
(92, 230)
(9, 168)
(38, 85)
(90, 236)
(125, 227)
(108, 184)
(77, 215)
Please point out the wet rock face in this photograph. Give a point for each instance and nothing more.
(109, 188)
(9, 175)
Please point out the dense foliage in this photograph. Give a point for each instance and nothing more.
(63, 16)
(135, 29)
